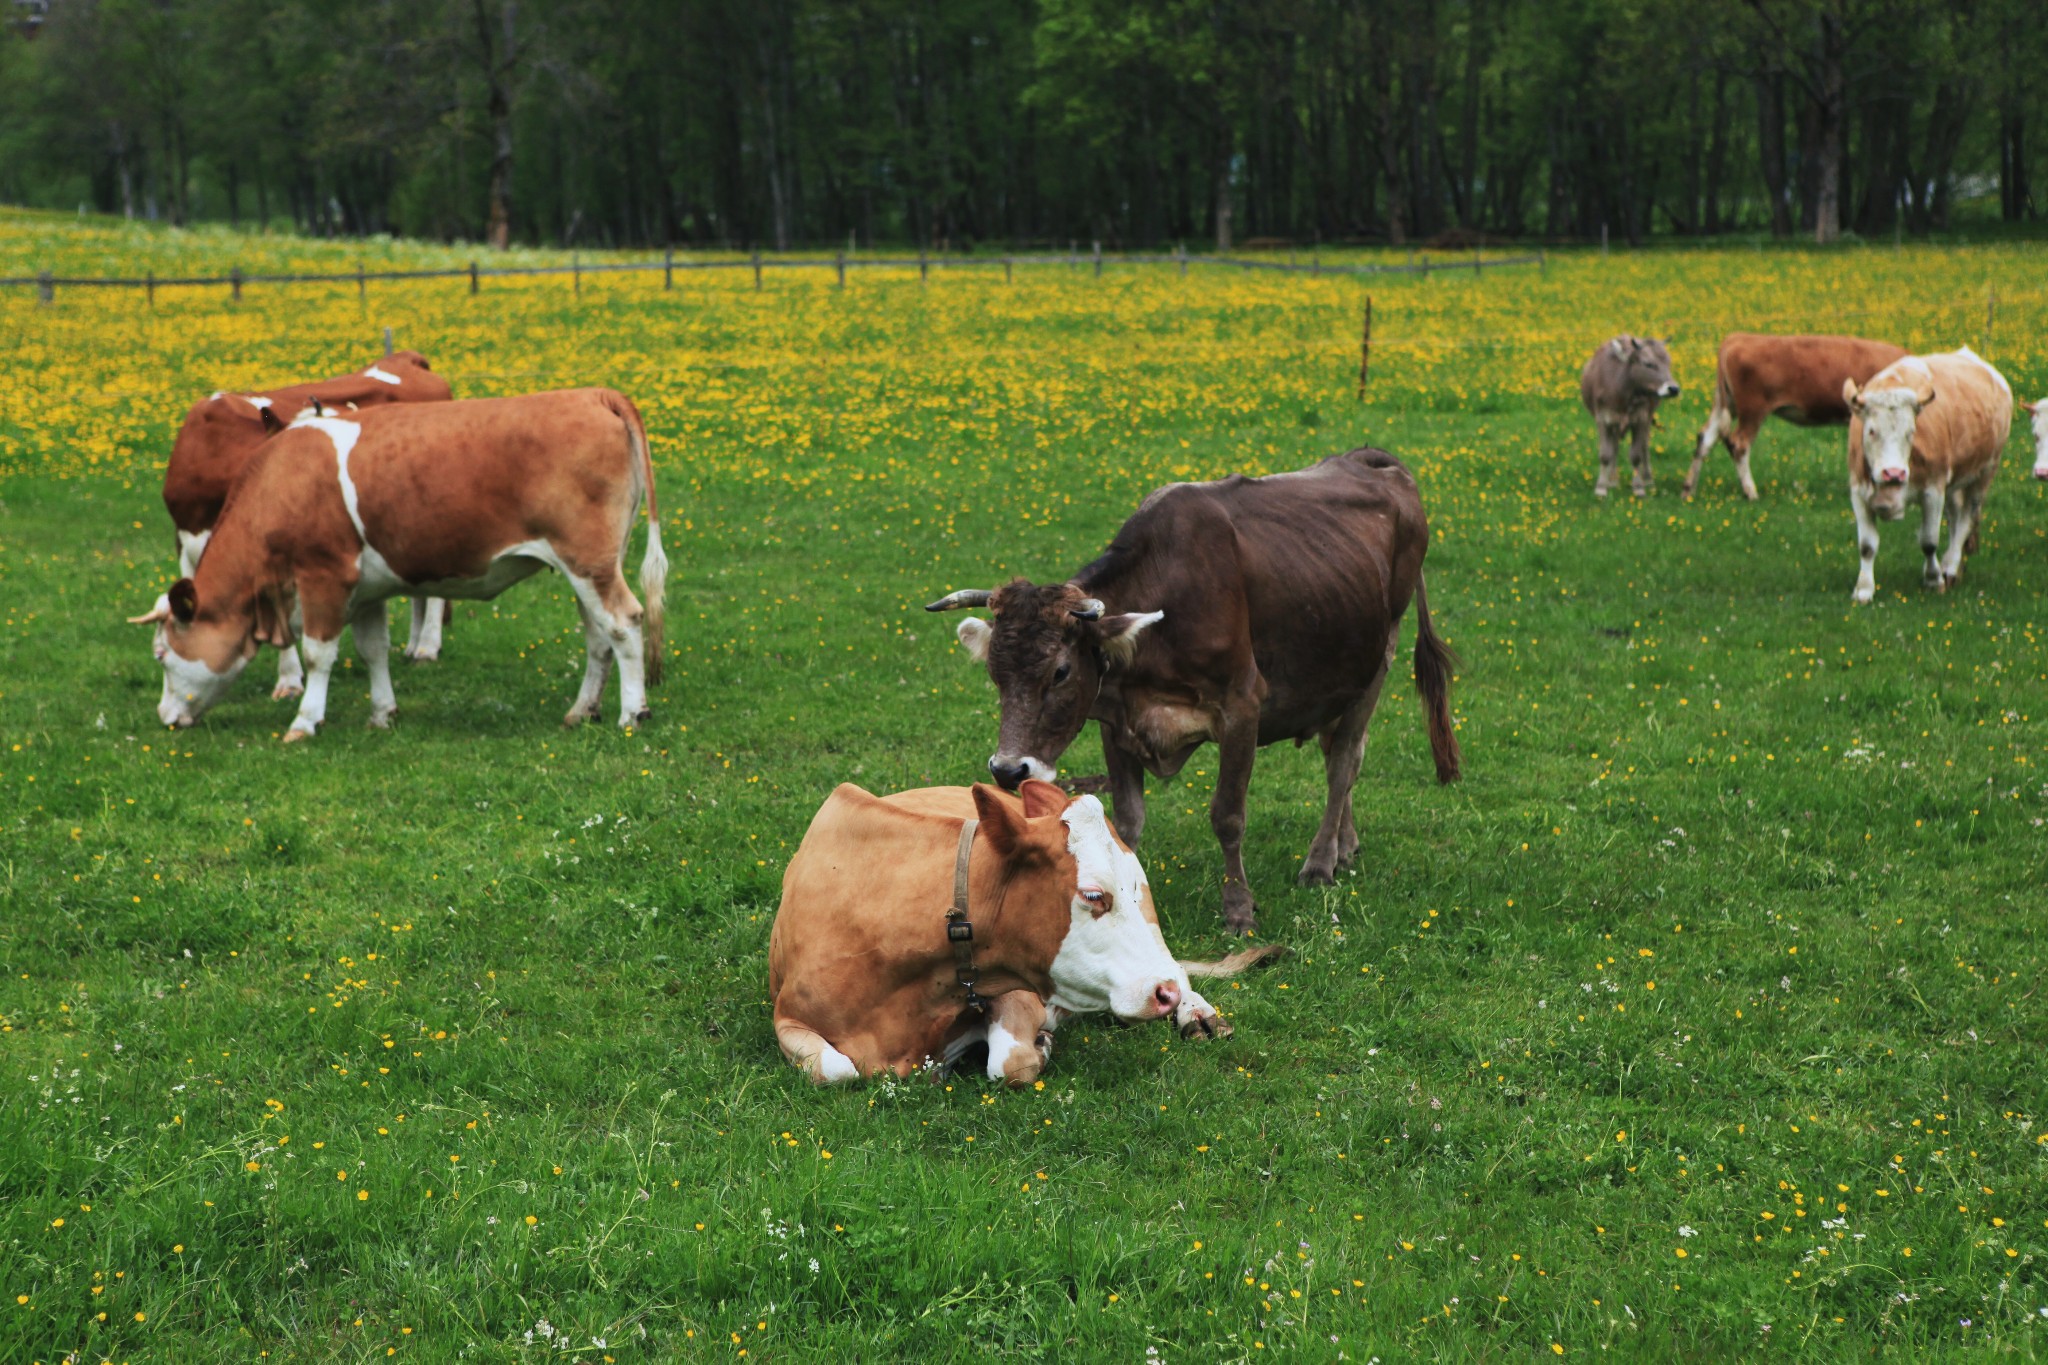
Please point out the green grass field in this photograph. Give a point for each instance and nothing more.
(1703, 1017)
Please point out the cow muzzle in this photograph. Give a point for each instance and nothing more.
(1166, 998)
(1893, 475)
(2041, 471)
(1009, 770)
(1668, 391)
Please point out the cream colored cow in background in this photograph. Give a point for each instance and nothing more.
(1927, 427)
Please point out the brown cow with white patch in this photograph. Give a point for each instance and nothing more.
(1238, 613)
(221, 434)
(339, 514)
(868, 973)
(1929, 427)
(1797, 378)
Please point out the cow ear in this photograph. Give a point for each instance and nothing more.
(1000, 821)
(1923, 398)
(272, 423)
(183, 599)
(973, 635)
(1852, 395)
(1042, 799)
(1118, 635)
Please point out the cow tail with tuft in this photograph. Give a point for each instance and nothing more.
(1434, 664)
(653, 564)
(1236, 962)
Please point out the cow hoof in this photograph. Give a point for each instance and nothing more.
(422, 656)
(1241, 921)
(576, 717)
(286, 692)
(1205, 1026)
(381, 720)
(1861, 598)
(295, 735)
(637, 718)
(1314, 874)
(1600, 493)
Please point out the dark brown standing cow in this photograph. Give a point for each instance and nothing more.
(1621, 386)
(1238, 613)
(1797, 378)
(221, 434)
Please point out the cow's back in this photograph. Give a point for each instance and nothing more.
(1968, 422)
(1797, 378)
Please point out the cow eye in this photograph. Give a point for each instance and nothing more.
(1059, 675)
(1098, 901)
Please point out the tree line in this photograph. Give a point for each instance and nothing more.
(945, 123)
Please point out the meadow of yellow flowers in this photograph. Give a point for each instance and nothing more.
(1702, 1017)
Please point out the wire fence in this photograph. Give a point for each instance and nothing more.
(47, 283)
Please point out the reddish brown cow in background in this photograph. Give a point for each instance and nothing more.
(1796, 378)
(222, 433)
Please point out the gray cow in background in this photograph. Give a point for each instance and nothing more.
(1621, 386)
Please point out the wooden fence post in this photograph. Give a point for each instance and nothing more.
(1098, 260)
(235, 282)
(472, 278)
(150, 286)
(1365, 349)
(576, 272)
(1006, 270)
(46, 287)
(387, 341)
(1180, 251)
(757, 270)
(1543, 264)
(362, 287)
(922, 265)
(668, 269)
(839, 259)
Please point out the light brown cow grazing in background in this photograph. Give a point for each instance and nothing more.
(1797, 378)
(341, 513)
(866, 972)
(1928, 427)
(1621, 386)
(221, 434)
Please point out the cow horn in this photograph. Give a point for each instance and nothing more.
(966, 597)
(1089, 610)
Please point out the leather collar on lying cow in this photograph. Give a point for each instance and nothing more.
(959, 929)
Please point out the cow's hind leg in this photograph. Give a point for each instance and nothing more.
(808, 1051)
(596, 669)
(372, 627)
(1739, 442)
(1336, 843)
(1717, 424)
(1965, 515)
(610, 611)
(423, 640)
(1019, 1039)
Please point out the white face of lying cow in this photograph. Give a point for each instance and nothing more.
(2038, 413)
(1112, 958)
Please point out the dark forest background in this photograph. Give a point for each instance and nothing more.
(946, 123)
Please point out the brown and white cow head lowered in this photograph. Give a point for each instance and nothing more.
(204, 648)
(1888, 410)
(1047, 649)
(2037, 414)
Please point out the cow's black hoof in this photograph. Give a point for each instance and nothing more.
(1314, 875)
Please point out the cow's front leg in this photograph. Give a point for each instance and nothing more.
(1126, 789)
(1239, 745)
(1965, 509)
(1866, 544)
(1931, 499)
(1019, 1038)
(1610, 456)
(372, 627)
(1639, 454)
(291, 675)
(320, 657)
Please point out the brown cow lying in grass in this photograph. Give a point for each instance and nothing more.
(868, 976)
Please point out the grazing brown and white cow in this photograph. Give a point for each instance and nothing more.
(2037, 416)
(1621, 386)
(1798, 378)
(1929, 427)
(341, 513)
(1238, 613)
(868, 973)
(221, 434)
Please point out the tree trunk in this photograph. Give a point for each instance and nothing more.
(497, 66)
(1830, 117)
(2015, 197)
(1717, 155)
(1770, 132)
